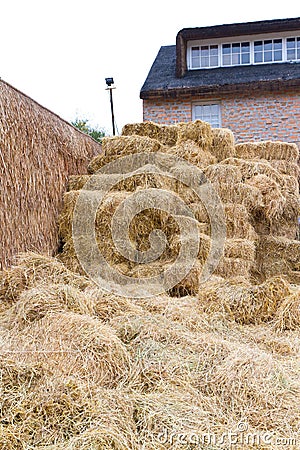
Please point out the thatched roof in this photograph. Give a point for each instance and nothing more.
(38, 150)
(162, 81)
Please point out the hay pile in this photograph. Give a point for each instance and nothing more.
(81, 368)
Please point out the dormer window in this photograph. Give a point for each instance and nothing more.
(259, 50)
(268, 51)
(236, 53)
(293, 48)
(205, 56)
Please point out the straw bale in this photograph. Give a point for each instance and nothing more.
(287, 316)
(189, 285)
(33, 269)
(240, 193)
(283, 227)
(251, 168)
(198, 131)
(268, 150)
(35, 303)
(278, 255)
(199, 211)
(240, 248)
(166, 134)
(66, 216)
(120, 146)
(286, 167)
(291, 184)
(68, 257)
(238, 222)
(273, 199)
(280, 248)
(39, 151)
(231, 267)
(194, 152)
(140, 228)
(106, 305)
(76, 182)
(186, 194)
(177, 241)
(245, 304)
(223, 173)
(223, 143)
(93, 350)
(146, 177)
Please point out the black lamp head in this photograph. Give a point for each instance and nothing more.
(109, 81)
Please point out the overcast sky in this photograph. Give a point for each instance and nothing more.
(59, 52)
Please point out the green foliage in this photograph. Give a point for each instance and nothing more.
(95, 133)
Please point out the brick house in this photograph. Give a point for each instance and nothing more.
(244, 76)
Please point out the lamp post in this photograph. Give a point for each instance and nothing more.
(110, 87)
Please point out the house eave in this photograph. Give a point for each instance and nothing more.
(219, 89)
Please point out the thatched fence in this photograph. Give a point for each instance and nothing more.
(38, 151)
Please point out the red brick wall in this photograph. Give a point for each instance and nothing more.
(251, 116)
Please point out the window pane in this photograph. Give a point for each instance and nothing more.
(214, 61)
(205, 61)
(267, 56)
(214, 50)
(258, 46)
(245, 47)
(204, 50)
(291, 54)
(236, 48)
(258, 57)
(267, 45)
(290, 43)
(277, 44)
(226, 49)
(195, 51)
(226, 60)
(215, 109)
(245, 58)
(236, 58)
(278, 55)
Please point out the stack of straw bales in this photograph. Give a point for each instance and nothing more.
(256, 182)
(39, 150)
(82, 368)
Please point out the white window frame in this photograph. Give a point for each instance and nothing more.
(271, 51)
(239, 40)
(210, 103)
(232, 53)
(209, 55)
(295, 48)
